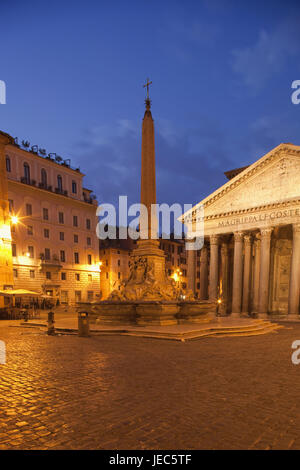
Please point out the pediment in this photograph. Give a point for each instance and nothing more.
(272, 179)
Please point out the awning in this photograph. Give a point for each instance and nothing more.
(19, 293)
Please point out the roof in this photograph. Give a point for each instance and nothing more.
(232, 173)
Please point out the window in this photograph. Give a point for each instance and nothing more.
(88, 224)
(61, 236)
(88, 241)
(15, 272)
(75, 221)
(64, 297)
(77, 276)
(48, 275)
(119, 275)
(89, 259)
(61, 217)
(31, 251)
(63, 276)
(10, 205)
(32, 274)
(106, 262)
(26, 173)
(119, 262)
(90, 296)
(106, 275)
(75, 238)
(74, 187)
(14, 249)
(76, 257)
(8, 166)
(28, 209)
(47, 253)
(46, 233)
(77, 296)
(59, 183)
(29, 230)
(62, 256)
(44, 178)
(45, 214)
(90, 277)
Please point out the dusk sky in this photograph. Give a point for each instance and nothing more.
(221, 93)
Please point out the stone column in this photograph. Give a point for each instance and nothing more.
(214, 267)
(191, 269)
(256, 274)
(203, 273)
(237, 274)
(295, 273)
(224, 277)
(247, 272)
(264, 272)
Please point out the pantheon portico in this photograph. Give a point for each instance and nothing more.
(250, 261)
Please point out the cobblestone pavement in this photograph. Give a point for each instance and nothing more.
(133, 393)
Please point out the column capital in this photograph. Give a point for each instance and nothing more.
(266, 232)
(248, 239)
(214, 239)
(224, 248)
(296, 228)
(238, 236)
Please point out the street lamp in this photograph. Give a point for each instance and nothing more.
(14, 219)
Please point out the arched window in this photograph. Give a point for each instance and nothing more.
(59, 183)
(27, 173)
(8, 166)
(74, 187)
(44, 178)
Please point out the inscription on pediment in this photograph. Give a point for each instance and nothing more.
(276, 182)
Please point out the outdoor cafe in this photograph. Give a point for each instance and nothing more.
(23, 304)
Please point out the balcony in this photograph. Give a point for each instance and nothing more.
(61, 191)
(28, 181)
(53, 263)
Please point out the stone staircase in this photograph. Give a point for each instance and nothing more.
(185, 331)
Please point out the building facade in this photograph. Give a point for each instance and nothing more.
(53, 227)
(250, 261)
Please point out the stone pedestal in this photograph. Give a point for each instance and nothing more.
(113, 313)
(196, 311)
(156, 313)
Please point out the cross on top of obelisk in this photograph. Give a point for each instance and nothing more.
(147, 85)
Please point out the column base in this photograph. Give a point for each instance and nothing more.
(245, 315)
(262, 316)
(235, 315)
(292, 317)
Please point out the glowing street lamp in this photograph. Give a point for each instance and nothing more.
(14, 219)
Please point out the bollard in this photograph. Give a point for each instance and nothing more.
(51, 329)
(83, 324)
(26, 316)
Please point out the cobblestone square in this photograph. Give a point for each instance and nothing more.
(66, 392)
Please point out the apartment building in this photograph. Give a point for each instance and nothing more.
(53, 226)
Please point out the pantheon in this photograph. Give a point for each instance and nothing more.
(250, 261)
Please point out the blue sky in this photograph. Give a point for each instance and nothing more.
(221, 94)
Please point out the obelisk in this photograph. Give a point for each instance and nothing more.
(148, 224)
(148, 244)
(6, 265)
